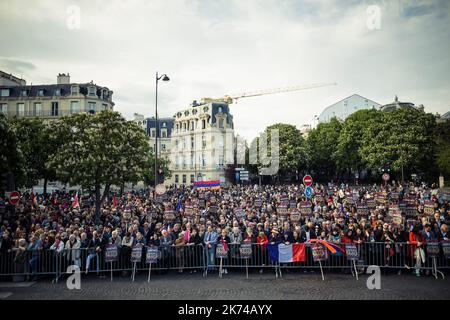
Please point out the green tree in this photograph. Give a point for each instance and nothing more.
(322, 146)
(38, 146)
(292, 149)
(442, 138)
(149, 171)
(98, 151)
(401, 139)
(11, 155)
(347, 154)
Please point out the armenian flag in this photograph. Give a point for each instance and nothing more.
(333, 248)
(207, 185)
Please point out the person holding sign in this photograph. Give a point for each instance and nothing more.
(224, 239)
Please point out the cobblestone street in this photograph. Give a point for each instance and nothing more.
(233, 286)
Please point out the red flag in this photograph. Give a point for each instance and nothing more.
(75, 201)
(33, 198)
(115, 201)
(298, 252)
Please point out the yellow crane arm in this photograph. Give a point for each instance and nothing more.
(234, 97)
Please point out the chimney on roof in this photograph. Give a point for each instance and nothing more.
(63, 78)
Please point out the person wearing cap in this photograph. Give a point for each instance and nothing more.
(274, 237)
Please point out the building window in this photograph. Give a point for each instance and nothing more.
(164, 133)
(57, 92)
(4, 108)
(92, 107)
(184, 144)
(184, 178)
(105, 106)
(20, 109)
(153, 133)
(192, 178)
(40, 93)
(4, 93)
(176, 178)
(74, 107)
(203, 141)
(221, 123)
(37, 109)
(74, 89)
(184, 126)
(23, 93)
(92, 91)
(203, 124)
(192, 143)
(203, 160)
(55, 109)
(192, 125)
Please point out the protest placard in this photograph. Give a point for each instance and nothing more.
(152, 255)
(221, 252)
(305, 208)
(319, 252)
(111, 253)
(136, 253)
(351, 251)
(245, 250)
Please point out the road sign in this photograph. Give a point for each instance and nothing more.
(160, 189)
(386, 176)
(14, 197)
(243, 175)
(307, 180)
(308, 192)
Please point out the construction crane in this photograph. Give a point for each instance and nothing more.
(234, 97)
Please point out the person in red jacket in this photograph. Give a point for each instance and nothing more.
(262, 242)
(416, 242)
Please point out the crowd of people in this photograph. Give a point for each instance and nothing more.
(185, 216)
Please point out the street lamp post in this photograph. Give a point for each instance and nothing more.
(163, 77)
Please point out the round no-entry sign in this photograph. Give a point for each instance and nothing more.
(14, 197)
(307, 180)
(386, 176)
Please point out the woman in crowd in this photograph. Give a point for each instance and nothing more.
(416, 241)
(73, 250)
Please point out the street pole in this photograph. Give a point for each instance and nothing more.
(156, 131)
(164, 77)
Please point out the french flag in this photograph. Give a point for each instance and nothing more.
(286, 253)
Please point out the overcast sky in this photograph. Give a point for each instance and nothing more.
(213, 48)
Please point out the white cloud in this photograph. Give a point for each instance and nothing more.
(213, 48)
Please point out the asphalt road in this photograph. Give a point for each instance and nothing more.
(233, 286)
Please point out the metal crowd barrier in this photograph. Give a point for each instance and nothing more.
(197, 258)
